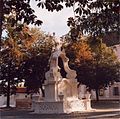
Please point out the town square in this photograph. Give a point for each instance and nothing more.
(59, 59)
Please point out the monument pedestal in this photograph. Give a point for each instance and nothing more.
(50, 92)
(87, 104)
(49, 107)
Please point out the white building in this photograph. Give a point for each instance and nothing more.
(110, 93)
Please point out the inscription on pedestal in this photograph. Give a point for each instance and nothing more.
(49, 107)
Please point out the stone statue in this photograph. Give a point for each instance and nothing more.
(61, 94)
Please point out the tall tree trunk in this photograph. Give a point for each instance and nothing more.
(97, 94)
(8, 93)
(1, 18)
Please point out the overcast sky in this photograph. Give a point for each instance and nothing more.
(53, 21)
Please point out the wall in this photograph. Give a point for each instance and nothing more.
(111, 93)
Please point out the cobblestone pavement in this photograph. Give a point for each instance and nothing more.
(101, 110)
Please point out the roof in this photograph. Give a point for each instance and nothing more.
(21, 90)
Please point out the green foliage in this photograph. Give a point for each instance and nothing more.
(92, 17)
(24, 56)
(96, 18)
(35, 67)
(100, 70)
(9, 71)
(28, 50)
(23, 11)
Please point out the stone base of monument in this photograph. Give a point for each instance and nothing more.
(87, 104)
(49, 107)
(73, 104)
(67, 106)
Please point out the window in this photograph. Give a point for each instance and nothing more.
(115, 91)
(101, 92)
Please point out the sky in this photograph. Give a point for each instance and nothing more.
(53, 21)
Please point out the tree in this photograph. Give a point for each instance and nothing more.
(37, 64)
(99, 18)
(106, 66)
(23, 49)
(14, 50)
(21, 8)
(9, 75)
(99, 68)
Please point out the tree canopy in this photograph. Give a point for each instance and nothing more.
(92, 17)
(96, 64)
(23, 50)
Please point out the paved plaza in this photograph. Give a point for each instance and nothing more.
(101, 110)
